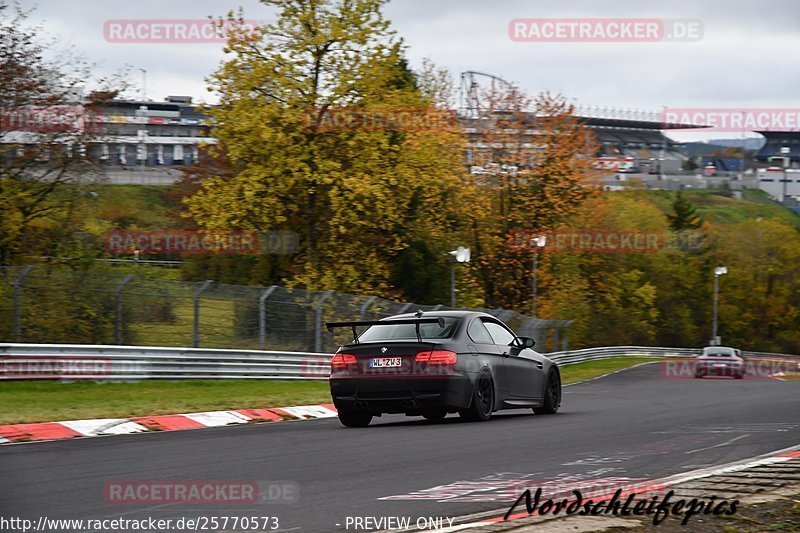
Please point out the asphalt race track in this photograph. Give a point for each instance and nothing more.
(633, 424)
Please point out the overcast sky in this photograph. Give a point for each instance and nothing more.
(747, 56)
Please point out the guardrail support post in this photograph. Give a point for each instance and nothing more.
(318, 321)
(118, 308)
(17, 296)
(196, 333)
(262, 316)
(363, 310)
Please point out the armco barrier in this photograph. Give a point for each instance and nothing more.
(100, 362)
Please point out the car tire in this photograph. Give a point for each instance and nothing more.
(739, 376)
(354, 419)
(435, 415)
(552, 395)
(482, 404)
(699, 375)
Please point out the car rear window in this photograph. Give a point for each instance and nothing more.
(395, 332)
(718, 352)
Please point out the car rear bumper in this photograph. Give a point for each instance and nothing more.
(728, 370)
(412, 395)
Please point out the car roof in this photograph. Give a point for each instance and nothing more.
(455, 313)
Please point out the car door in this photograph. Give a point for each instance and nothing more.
(485, 346)
(523, 368)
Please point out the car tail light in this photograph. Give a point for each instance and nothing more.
(437, 357)
(341, 360)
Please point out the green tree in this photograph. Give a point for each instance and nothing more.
(45, 137)
(357, 195)
(538, 175)
(685, 215)
(759, 300)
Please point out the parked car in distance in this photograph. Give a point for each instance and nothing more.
(720, 361)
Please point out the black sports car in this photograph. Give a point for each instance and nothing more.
(435, 363)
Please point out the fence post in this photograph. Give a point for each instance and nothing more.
(17, 295)
(318, 321)
(262, 316)
(362, 312)
(201, 290)
(118, 307)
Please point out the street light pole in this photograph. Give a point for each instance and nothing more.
(716, 298)
(459, 255)
(538, 244)
(719, 271)
(535, 281)
(452, 282)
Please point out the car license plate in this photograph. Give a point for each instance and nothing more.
(720, 365)
(386, 362)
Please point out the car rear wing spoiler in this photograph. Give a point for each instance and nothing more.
(366, 323)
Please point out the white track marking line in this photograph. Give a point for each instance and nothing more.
(720, 444)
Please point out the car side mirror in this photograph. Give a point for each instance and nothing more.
(524, 342)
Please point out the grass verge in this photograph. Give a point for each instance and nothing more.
(40, 401)
(45, 401)
(593, 369)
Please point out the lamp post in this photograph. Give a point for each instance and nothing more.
(538, 244)
(663, 155)
(719, 271)
(142, 133)
(459, 255)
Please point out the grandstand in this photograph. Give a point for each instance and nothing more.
(630, 141)
(780, 144)
(150, 134)
(638, 136)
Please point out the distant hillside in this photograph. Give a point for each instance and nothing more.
(694, 149)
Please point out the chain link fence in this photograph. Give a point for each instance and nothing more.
(40, 304)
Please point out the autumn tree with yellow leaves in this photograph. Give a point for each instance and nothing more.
(536, 159)
(330, 135)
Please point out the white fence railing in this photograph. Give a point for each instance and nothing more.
(99, 362)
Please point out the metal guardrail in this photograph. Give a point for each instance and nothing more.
(123, 363)
(109, 362)
(607, 352)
